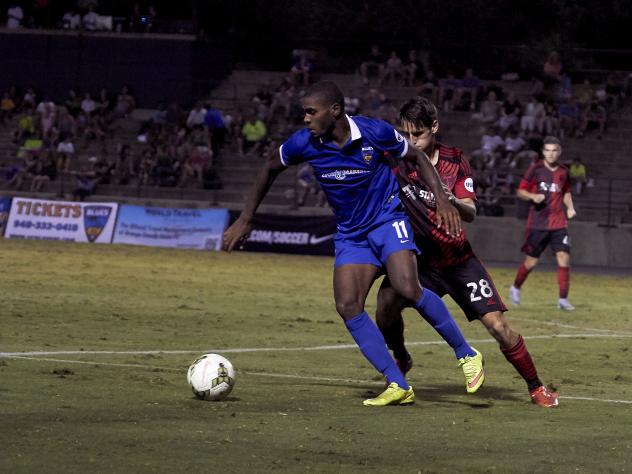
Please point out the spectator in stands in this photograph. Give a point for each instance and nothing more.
(94, 128)
(393, 68)
(516, 150)
(352, 105)
(26, 128)
(103, 103)
(614, 89)
(301, 71)
(447, 91)
(196, 161)
(492, 148)
(125, 103)
(372, 101)
(307, 184)
(124, 166)
(90, 20)
(72, 102)
(262, 100)
(217, 129)
(532, 120)
(29, 99)
(596, 118)
(584, 93)
(510, 113)
(570, 117)
(253, 134)
(65, 153)
(15, 16)
(372, 65)
(414, 70)
(47, 119)
(7, 108)
(175, 114)
(71, 20)
(152, 19)
(65, 125)
(467, 93)
(577, 172)
(552, 69)
(87, 181)
(196, 116)
(147, 164)
(46, 171)
(88, 105)
(490, 110)
(430, 87)
(551, 120)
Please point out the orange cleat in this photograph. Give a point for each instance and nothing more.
(543, 397)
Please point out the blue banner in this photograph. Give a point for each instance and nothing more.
(5, 208)
(166, 227)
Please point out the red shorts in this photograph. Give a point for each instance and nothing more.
(469, 285)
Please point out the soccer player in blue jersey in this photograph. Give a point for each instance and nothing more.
(348, 158)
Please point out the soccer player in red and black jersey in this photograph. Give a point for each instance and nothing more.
(547, 185)
(447, 264)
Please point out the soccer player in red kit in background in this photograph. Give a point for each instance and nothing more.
(546, 184)
(447, 264)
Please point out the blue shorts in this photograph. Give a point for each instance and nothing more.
(388, 238)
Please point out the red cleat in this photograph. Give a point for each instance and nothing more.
(543, 397)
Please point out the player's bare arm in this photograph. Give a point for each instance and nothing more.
(465, 206)
(266, 176)
(570, 208)
(447, 215)
(527, 196)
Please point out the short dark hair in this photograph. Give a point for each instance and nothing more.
(551, 140)
(419, 111)
(328, 92)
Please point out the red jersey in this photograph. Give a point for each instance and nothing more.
(550, 214)
(438, 248)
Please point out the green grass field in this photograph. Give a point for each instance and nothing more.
(297, 404)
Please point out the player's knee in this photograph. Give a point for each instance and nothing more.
(348, 308)
(410, 291)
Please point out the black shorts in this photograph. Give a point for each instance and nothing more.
(537, 240)
(468, 283)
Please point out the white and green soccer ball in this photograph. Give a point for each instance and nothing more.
(211, 377)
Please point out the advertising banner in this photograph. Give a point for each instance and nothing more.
(312, 235)
(166, 227)
(5, 207)
(38, 219)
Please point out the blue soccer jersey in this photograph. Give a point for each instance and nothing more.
(356, 178)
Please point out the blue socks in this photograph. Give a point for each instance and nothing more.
(372, 345)
(435, 312)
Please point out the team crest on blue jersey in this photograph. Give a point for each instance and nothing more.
(95, 218)
(367, 153)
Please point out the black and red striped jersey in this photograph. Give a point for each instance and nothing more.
(438, 249)
(550, 214)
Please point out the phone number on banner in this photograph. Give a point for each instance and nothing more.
(46, 226)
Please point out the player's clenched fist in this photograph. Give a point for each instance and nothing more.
(236, 234)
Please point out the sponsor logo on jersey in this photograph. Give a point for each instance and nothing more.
(548, 187)
(95, 218)
(367, 153)
(469, 184)
(342, 174)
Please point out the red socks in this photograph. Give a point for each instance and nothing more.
(564, 280)
(521, 276)
(519, 357)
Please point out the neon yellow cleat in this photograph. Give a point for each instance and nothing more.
(393, 395)
(473, 370)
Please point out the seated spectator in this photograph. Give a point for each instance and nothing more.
(124, 166)
(490, 110)
(614, 91)
(414, 70)
(71, 20)
(307, 184)
(196, 116)
(372, 65)
(45, 172)
(584, 94)
(26, 128)
(262, 99)
(393, 68)
(533, 117)
(352, 105)
(372, 101)
(7, 107)
(216, 125)
(196, 161)
(570, 118)
(516, 150)
(430, 87)
(147, 164)
(467, 93)
(253, 134)
(596, 117)
(447, 91)
(301, 71)
(577, 172)
(15, 16)
(510, 113)
(66, 125)
(125, 103)
(87, 181)
(28, 101)
(93, 128)
(90, 20)
(551, 120)
(103, 103)
(65, 153)
(552, 69)
(72, 103)
(88, 105)
(492, 148)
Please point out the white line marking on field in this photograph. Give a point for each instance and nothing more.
(281, 376)
(568, 326)
(287, 349)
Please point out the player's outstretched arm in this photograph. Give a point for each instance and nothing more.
(447, 215)
(265, 177)
(465, 206)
